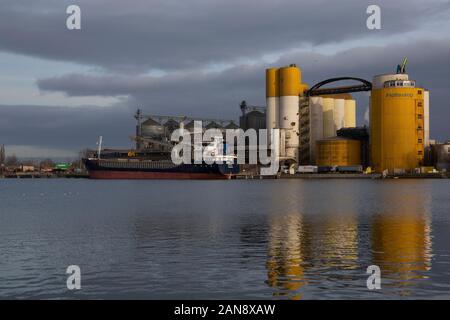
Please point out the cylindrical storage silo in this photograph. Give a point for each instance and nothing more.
(379, 81)
(396, 125)
(338, 113)
(338, 151)
(290, 79)
(328, 118)
(272, 100)
(316, 125)
(350, 113)
(152, 129)
(426, 116)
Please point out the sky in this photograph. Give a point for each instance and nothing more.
(60, 89)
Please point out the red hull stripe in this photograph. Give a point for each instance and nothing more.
(98, 174)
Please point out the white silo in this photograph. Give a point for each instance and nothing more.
(328, 118)
(379, 80)
(290, 79)
(350, 113)
(316, 125)
(338, 113)
(272, 100)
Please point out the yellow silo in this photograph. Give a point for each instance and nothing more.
(290, 87)
(396, 124)
(338, 152)
(290, 80)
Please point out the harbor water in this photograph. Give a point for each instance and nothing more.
(238, 239)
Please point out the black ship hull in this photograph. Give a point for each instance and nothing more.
(156, 169)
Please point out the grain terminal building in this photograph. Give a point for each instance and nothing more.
(399, 123)
(318, 125)
(312, 118)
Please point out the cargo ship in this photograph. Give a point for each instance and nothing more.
(156, 169)
(133, 164)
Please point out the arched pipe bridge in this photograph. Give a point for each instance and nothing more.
(316, 90)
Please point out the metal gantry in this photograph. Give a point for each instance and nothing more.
(316, 90)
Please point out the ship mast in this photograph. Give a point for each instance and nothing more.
(99, 143)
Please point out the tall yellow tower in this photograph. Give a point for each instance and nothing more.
(284, 88)
(396, 123)
(290, 80)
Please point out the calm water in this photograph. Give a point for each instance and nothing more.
(282, 239)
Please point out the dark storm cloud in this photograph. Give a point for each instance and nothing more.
(218, 94)
(69, 128)
(138, 35)
(200, 94)
(123, 40)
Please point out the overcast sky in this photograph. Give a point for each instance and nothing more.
(60, 88)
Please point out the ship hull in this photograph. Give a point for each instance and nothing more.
(142, 175)
(119, 169)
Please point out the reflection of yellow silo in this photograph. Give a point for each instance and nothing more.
(338, 152)
(400, 237)
(400, 242)
(285, 255)
(272, 100)
(396, 123)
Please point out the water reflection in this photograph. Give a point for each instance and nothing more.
(335, 237)
(285, 268)
(400, 239)
(329, 245)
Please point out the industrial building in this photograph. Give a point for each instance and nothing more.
(153, 132)
(253, 117)
(284, 97)
(327, 115)
(306, 116)
(319, 120)
(317, 124)
(397, 123)
(360, 134)
(338, 151)
(441, 156)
